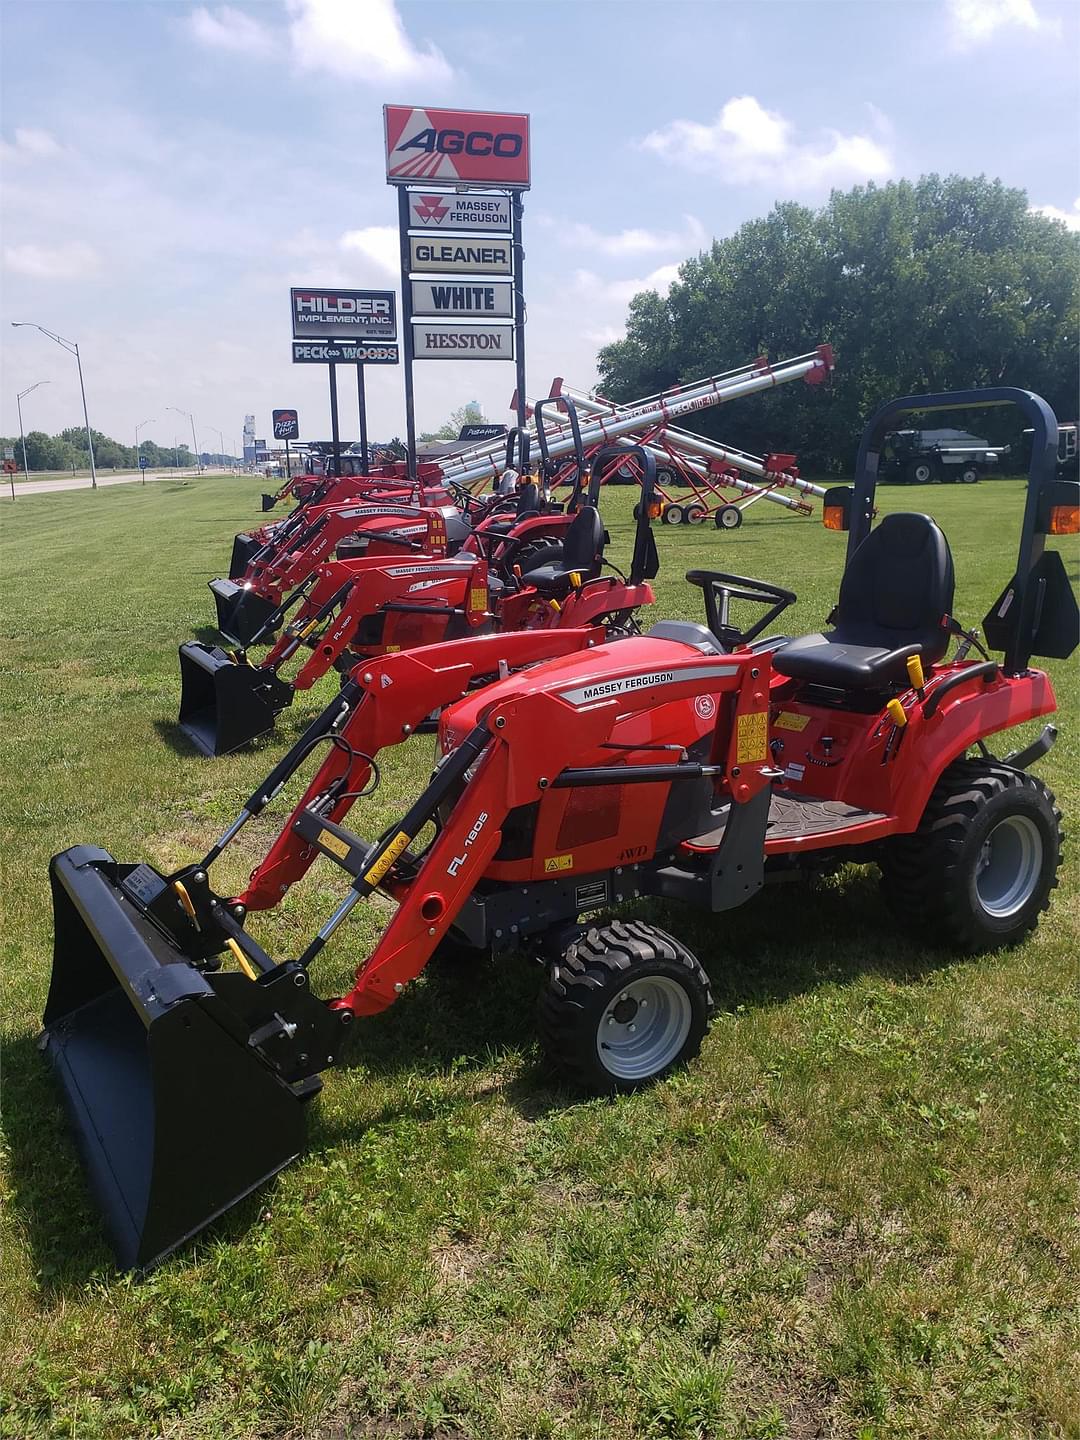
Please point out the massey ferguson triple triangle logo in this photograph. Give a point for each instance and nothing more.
(430, 207)
(469, 147)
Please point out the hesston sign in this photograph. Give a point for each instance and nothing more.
(459, 147)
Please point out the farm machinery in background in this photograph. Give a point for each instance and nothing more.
(695, 763)
(531, 571)
(267, 564)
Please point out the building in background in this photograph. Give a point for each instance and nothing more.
(249, 439)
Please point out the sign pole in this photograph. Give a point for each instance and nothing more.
(406, 328)
(288, 471)
(332, 367)
(519, 305)
(361, 400)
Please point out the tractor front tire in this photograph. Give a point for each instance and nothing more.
(624, 1005)
(978, 871)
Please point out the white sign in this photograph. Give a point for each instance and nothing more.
(9, 452)
(462, 255)
(463, 297)
(478, 213)
(432, 341)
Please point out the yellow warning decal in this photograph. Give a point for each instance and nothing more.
(334, 843)
(387, 858)
(477, 599)
(392, 649)
(554, 863)
(790, 720)
(752, 737)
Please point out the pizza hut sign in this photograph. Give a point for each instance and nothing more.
(457, 147)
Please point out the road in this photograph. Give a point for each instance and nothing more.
(48, 487)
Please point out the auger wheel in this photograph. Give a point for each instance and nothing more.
(624, 1005)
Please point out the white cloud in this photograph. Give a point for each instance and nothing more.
(230, 29)
(70, 261)
(630, 242)
(1070, 218)
(31, 145)
(361, 40)
(973, 22)
(621, 292)
(747, 144)
(348, 39)
(378, 243)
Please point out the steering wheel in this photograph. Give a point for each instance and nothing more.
(720, 589)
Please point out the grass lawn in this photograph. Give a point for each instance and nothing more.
(853, 1216)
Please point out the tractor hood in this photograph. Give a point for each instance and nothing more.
(600, 675)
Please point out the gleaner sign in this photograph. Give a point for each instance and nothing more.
(343, 314)
(462, 147)
(461, 255)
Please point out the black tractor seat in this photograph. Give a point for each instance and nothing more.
(583, 553)
(895, 601)
(528, 505)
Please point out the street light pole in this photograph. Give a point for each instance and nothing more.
(72, 348)
(22, 437)
(141, 424)
(191, 417)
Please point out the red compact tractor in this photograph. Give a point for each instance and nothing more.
(266, 568)
(694, 763)
(509, 576)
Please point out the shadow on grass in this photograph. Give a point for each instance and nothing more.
(461, 1017)
(50, 1194)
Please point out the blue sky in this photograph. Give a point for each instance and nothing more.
(170, 169)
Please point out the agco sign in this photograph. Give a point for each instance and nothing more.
(466, 147)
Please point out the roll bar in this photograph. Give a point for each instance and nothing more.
(645, 564)
(549, 466)
(1020, 620)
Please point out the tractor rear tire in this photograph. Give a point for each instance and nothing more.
(624, 1005)
(978, 871)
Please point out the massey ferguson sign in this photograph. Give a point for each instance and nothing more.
(343, 314)
(483, 213)
(457, 147)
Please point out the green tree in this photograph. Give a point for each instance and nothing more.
(937, 284)
(469, 414)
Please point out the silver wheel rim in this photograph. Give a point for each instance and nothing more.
(922, 473)
(729, 519)
(644, 1028)
(695, 515)
(1009, 866)
(673, 515)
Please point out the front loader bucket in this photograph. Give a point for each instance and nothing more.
(241, 613)
(176, 1113)
(268, 503)
(224, 704)
(243, 548)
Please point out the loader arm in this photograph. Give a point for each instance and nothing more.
(521, 747)
(389, 698)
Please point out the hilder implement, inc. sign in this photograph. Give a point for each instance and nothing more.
(493, 298)
(328, 353)
(484, 213)
(286, 424)
(457, 147)
(434, 341)
(319, 314)
(461, 255)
